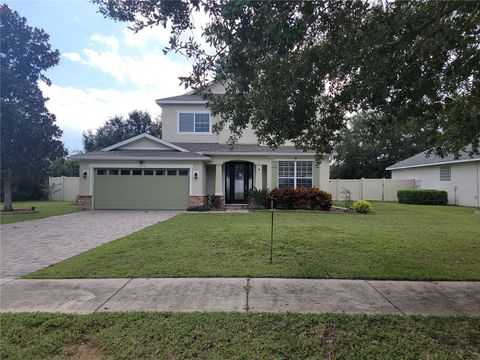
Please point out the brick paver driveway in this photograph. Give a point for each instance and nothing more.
(32, 245)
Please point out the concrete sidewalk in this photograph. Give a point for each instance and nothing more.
(240, 294)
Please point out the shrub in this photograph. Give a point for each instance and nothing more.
(347, 198)
(319, 199)
(282, 198)
(257, 198)
(214, 201)
(362, 207)
(300, 198)
(423, 197)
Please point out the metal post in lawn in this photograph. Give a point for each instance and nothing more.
(271, 234)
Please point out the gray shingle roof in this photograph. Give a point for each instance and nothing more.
(139, 155)
(182, 98)
(422, 159)
(206, 148)
(198, 151)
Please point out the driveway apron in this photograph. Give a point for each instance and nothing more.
(32, 245)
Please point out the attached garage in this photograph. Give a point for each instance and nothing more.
(122, 188)
(143, 172)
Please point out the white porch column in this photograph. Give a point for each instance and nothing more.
(258, 176)
(218, 180)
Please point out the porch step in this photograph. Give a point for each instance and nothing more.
(236, 206)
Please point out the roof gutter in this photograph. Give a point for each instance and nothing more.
(256, 153)
(433, 164)
(180, 102)
(100, 157)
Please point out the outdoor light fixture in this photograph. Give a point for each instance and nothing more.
(195, 175)
(140, 162)
(85, 174)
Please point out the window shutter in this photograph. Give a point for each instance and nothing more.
(274, 174)
(316, 174)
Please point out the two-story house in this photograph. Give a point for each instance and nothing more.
(189, 163)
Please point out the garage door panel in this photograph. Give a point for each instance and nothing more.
(141, 192)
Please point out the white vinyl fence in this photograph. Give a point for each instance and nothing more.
(369, 189)
(63, 188)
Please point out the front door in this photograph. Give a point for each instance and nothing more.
(238, 182)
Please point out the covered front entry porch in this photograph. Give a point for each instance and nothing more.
(233, 180)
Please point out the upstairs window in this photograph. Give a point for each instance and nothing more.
(445, 173)
(295, 174)
(194, 123)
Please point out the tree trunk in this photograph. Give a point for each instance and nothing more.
(7, 192)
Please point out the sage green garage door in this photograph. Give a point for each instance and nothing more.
(141, 188)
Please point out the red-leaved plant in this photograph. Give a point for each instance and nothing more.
(301, 198)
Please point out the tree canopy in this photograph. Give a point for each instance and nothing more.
(29, 137)
(118, 129)
(370, 144)
(295, 70)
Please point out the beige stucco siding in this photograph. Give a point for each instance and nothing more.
(217, 88)
(324, 175)
(144, 144)
(84, 183)
(170, 127)
(210, 179)
(463, 188)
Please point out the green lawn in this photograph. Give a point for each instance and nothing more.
(45, 209)
(236, 336)
(398, 242)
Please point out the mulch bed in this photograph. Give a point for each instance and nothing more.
(18, 211)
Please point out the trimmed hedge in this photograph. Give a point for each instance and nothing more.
(301, 198)
(423, 197)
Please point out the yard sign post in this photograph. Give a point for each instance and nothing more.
(271, 234)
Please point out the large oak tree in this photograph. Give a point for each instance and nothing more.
(29, 136)
(295, 69)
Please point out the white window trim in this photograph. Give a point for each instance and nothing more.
(449, 173)
(294, 172)
(194, 132)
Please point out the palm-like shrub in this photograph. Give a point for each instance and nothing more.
(257, 198)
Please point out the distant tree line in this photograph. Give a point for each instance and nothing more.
(119, 128)
(370, 143)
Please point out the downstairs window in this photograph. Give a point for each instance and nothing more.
(295, 174)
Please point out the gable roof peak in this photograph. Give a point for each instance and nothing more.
(145, 136)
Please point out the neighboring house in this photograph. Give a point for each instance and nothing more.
(189, 163)
(459, 177)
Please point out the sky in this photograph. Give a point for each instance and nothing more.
(105, 69)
